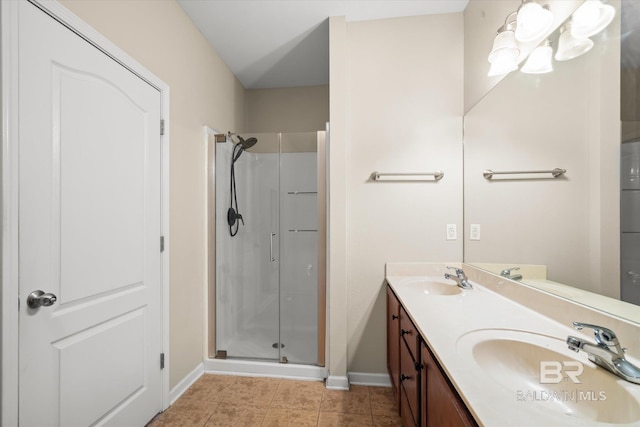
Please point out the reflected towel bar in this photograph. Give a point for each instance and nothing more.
(302, 192)
(411, 176)
(301, 231)
(557, 172)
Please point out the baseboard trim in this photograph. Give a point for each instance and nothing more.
(335, 382)
(185, 383)
(365, 378)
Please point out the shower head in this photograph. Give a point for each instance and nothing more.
(247, 143)
(243, 144)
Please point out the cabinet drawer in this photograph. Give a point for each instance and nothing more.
(410, 382)
(409, 334)
(408, 420)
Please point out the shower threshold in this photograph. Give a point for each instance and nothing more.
(274, 369)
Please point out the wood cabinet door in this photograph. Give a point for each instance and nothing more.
(393, 342)
(441, 405)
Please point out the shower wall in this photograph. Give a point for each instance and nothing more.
(266, 276)
(630, 222)
(630, 154)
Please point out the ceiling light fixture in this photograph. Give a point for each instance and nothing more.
(591, 18)
(569, 46)
(539, 61)
(505, 51)
(533, 21)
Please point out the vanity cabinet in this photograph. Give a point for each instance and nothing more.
(424, 394)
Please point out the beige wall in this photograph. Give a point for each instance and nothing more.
(291, 109)
(337, 242)
(403, 107)
(162, 38)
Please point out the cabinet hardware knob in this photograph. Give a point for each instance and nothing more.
(404, 377)
(394, 317)
(404, 332)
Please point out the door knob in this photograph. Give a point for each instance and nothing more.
(38, 298)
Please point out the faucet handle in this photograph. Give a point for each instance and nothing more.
(604, 336)
(507, 271)
(459, 271)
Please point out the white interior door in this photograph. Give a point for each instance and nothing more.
(89, 233)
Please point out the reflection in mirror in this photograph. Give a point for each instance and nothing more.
(563, 231)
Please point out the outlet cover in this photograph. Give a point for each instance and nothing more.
(474, 232)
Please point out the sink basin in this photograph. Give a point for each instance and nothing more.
(513, 360)
(433, 286)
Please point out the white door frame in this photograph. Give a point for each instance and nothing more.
(9, 290)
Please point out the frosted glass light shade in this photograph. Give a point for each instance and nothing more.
(532, 22)
(504, 55)
(539, 61)
(504, 46)
(591, 18)
(570, 47)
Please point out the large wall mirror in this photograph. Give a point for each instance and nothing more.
(576, 234)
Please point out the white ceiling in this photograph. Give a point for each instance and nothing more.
(285, 43)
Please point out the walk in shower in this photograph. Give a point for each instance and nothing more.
(269, 273)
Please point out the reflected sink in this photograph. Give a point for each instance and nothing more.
(432, 286)
(513, 359)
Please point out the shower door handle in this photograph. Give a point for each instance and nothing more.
(273, 259)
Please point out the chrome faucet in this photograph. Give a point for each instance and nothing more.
(606, 352)
(460, 278)
(507, 273)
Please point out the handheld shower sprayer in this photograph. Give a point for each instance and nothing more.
(233, 215)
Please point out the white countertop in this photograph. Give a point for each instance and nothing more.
(447, 321)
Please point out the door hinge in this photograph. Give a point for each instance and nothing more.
(162, 127)
(161, 243)
(161, 360)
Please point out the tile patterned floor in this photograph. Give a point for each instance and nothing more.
(222, 400)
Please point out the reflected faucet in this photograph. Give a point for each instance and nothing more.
(507, 273)
(606, 352)
(460, 278)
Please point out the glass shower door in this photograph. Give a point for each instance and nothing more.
(247, 264)
(266, 277)
(299, 248)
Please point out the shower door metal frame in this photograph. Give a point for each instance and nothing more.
(322, 246)
(210, 243)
